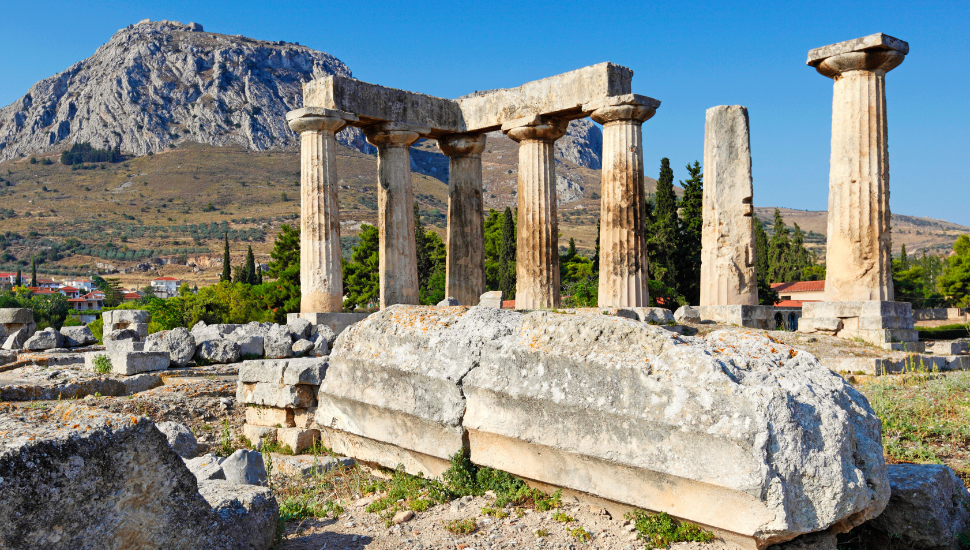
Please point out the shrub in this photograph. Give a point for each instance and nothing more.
(461, 526)
(102, 364)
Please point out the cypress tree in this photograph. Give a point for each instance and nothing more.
(259, 275)
(571, 251)
(33, 271)
(766, 296)
(903, 260)
(226, 268)
(249, 270)
(507, 256)
(662, 246)
(691, 226)
(425, 266)
(19, 281)
(779, 259)
(596, 251)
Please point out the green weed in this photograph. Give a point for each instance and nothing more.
(580, 534)
(660, 530)
(562, 518)
(102, 364)
(461, 526)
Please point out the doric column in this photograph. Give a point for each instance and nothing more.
(395, 211)
(465, 272)
(623, 249)
(537, 256)
(858, 254)
(321, 280)
(728, 267)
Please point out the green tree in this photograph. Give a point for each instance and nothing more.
(226, 263)
(33, 271)
(19, 280)
(689, 242)
(259, 275)
(507, 277)
(249, 270)
(432, 262)
(903, 259)
(493, 249)
(766, 296)
(954, 282)
(596, 250)
(113, 294)
(361, 273)
(778, 251)
(52, 308)
(282, 295)
(662, 245)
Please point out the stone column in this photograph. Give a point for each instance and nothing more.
(465, 271)
(623, 249)
(537, 241)
(395, 211)
(321, 280)
(728, 274)
(858, 255)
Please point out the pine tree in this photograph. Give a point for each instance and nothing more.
(19, 281)
(283, 294)
(507, 256)
(425, 266)
(361, 276)
(571, 251)
(249, 270)
(691, 226)
(226, 267)
(33, 272)
(662, 246)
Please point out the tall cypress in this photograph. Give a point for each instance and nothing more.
(662, 246)
(19, 281)
(226, 268)
(903, 259)
(766, 296)
(249, 270)
(33, 272)
(596, 251)
(691, 226)
(259, 275)
(779, 258)
(507, 256)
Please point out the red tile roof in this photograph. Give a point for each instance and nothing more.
(69, 289)
(799, 286)
(792, 303)
(76, 300)
(508, 304)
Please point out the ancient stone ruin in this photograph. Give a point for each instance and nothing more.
(535, 115)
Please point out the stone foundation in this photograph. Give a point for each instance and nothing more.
(762, 317)
(280, 399)
(876, 322)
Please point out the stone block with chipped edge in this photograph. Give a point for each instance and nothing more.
(297, 439)
(276, 395)
(491, 299)
(259, 433)
(270, 416)
(269, 371)
(305, 371)
(126, 317)
(878, 41)
(124, 345)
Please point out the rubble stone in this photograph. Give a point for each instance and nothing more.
(205, 467)
(180, 439)
(178, 342)
(302, 347)
(687, 314)
(76, 337)
(44, 340)
(244, 467)
(16, 340)
(218, 351)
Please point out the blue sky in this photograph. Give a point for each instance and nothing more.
(691, 56)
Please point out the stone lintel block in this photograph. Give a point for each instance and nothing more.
(16, 316)
(269, 371)
(625, 99)
(256, 434)
(297, 439)
(275, 395)
(131, 362)
(307, 112)
(270, 416)
(384, 454)
(336, 321)
(878, 41)
(310, 370)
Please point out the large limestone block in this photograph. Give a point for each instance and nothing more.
(16, 316)
(178, 342)
(734, 431)
(276, 395)
(75, 337)
(16, 340)
(218, 351)
(395, 376)
(44, 340)
(80, 477)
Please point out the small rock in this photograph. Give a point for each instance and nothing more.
(327, 333)
(687, 314)
(205, 467)
(180, 439)
(449, 301)
(218, 351)
(245, 467)
(301, 347)
(44, 340)
(299, 328)
(402, 517)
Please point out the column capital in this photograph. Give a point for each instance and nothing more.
(632, 107)
(879, 53)
(394, 134)
(536, 128)
(316, 119)
(462, 145)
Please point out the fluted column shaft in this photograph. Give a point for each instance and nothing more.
(321, 280)
(858, 250)
(623, 279)
(465, 269)
(537, 241)
(395, 214)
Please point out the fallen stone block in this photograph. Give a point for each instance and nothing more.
(328, 334)
(16, 316)
(269, 371)
(76, 337)
(277, 344)
(44, 340)
(276, 395)
(16, 340)
(180, 439)
(178, 342)
(320, 346)
(7, 356)
(302, 347)
(687, 314)
(133, 362)
(299, 328)
(125, 317)
(448, 302)
(140, 382)
(89, 473)
(119, 334)
(270, 416)
(124, 345)
(297, 439)
(491, 299)
(217, 351)
(244, 467)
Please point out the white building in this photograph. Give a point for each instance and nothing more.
(166, 287)
(86, 285)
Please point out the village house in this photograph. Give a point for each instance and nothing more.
(794, 294)
(166, 287)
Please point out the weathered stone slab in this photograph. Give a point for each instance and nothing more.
(875, 321)
(269, 371)
(305, 371)
(248, 345)
(741, 315)
(125, 317)
(394, 377)
(256, 434)
(124, 345)
(61, 492)
(16, 316)
(130, 362)
(491, 299)
(44, 340)
(218, 351)
(643, 404)
(270, 416)
(16, 340)
(878, 41)
(297, 439)
(7, 356)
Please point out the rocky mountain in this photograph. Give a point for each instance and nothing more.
(159, 84)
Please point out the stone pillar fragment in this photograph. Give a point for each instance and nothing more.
(395, 211)
(537, 241)
(858, 255)
(465, 270)
(623, 278)
(728, 274)
(321, 280)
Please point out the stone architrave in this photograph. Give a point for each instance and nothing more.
(465, 269)
(858, 256)
(623, 248)
(395, 211)
(321, 280)
(537, 241)
(728, 274)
